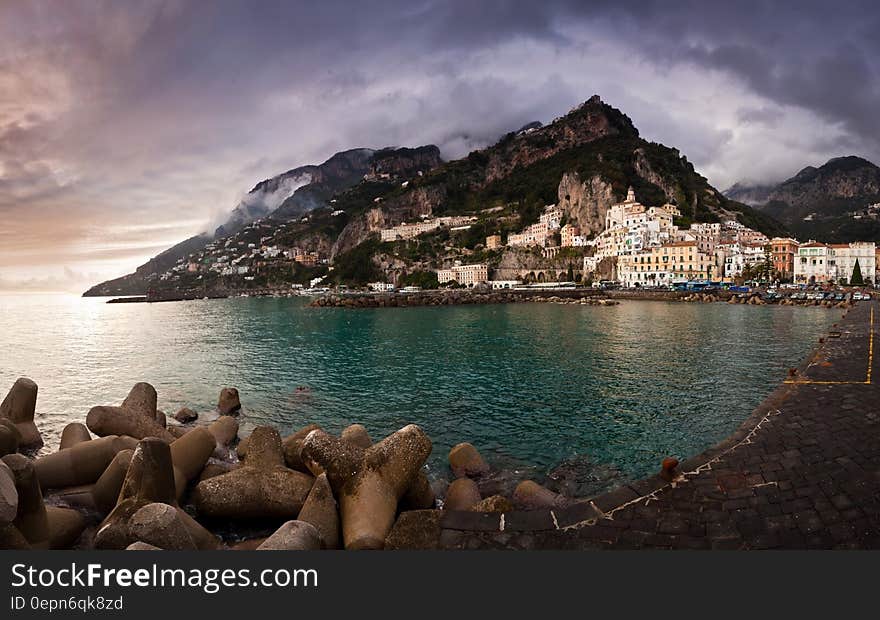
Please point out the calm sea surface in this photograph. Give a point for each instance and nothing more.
(531, 385)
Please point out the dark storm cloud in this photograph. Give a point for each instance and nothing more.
(126, 115)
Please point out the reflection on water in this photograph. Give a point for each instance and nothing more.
(527, 383)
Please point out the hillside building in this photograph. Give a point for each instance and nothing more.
(782, 253)
(466, 275)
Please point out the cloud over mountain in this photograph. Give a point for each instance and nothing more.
(123, 116)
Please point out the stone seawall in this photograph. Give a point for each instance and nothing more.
(456, 298)
(582, 295)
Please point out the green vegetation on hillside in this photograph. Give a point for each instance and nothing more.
(423, 279)
(356, 267)
(529, 189)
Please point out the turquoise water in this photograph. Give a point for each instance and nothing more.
(528, 384)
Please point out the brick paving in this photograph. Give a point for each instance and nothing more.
(803, 472)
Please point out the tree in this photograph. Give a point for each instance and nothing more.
(422, 279)
(856, 279)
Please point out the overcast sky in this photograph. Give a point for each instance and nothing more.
(128, 126)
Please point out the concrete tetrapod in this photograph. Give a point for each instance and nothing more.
(462, 494)
(19, 407)
(216, 469)
(262, 487)
(530, 495)
(465, 460)
(189, 455)
(30, 517)
(8, 495)
(74, 433)
(79, 497)
(105, 491)
(228, 403)
(81, 464)
(293, 536)
(65, 526)
(179, 431)
(136, 417)
(160, 525)
(369, 483)
(10, 437)
(224, 429)
(11, 538)
(141, 399)
(419, 495)
(415, 529)
(142, 546)
(149, 479)
(322, 511)
(356, 435)
(186, 415)
(495, 503)
(292, 443)
(293, 448)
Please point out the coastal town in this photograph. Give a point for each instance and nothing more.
(639, 247)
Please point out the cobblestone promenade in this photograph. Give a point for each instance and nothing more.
(802, 472)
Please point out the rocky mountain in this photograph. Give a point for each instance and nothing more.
(752, 195)
(826, 203)
(583, 162)
(137, 283)
(404, 162)
(284, 197)
(298, 191)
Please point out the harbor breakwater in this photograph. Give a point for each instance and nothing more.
(455, 298)
(131, 477)
(572, 296)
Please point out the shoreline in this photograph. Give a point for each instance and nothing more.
(704, 502)
(491, 514)
(456, 297)
(570, 296)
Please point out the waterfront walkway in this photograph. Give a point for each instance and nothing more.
(802, 472)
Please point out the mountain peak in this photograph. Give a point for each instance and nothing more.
(848, 162)
(598, 112)
(834, 166)
(821, 203)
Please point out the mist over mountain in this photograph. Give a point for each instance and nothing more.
(584, 161)
(284, 197)
(828, 203)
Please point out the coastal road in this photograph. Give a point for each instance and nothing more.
(802, 472)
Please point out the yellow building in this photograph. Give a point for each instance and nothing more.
(567, 234)
(493, 242)
(661, 266)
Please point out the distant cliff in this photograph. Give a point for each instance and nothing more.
(820, 202)
(282, 198)
(583, 161)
